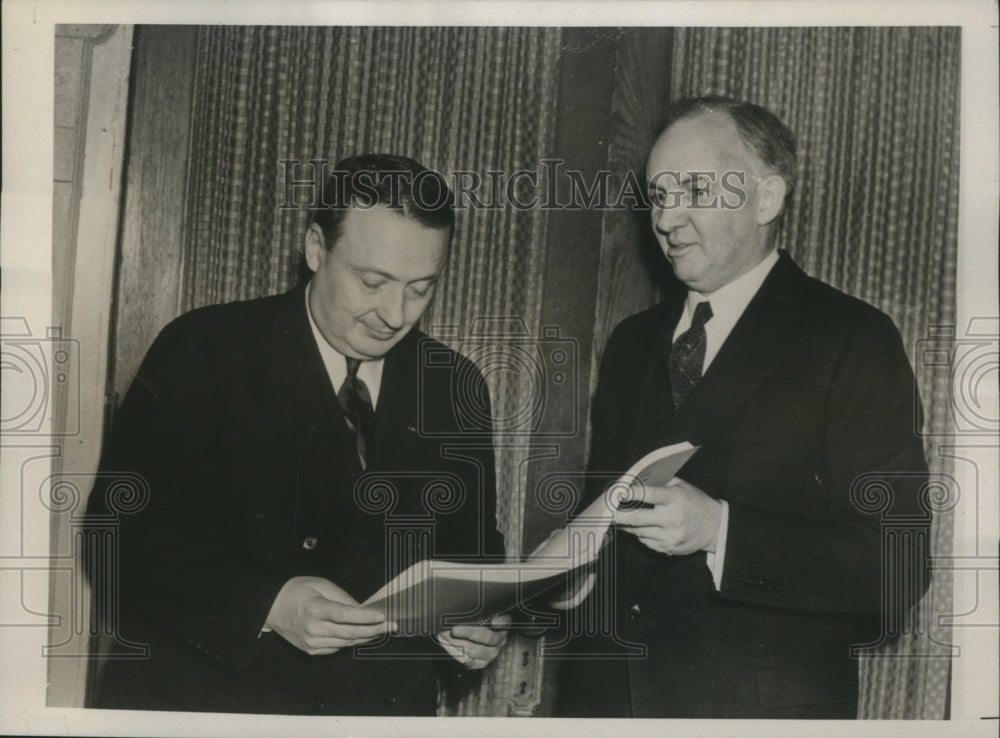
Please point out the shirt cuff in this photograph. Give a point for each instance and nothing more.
(717, 560)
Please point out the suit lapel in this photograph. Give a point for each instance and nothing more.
(754, 349)
(395, 414)
(304, 406)
(656, 410)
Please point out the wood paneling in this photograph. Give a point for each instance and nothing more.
(150, 260)
(601, 264)
(573, 253)
(632, 268)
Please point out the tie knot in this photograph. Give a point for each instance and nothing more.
(352, 366)
(702, 314)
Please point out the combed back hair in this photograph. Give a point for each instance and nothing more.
(396, 182)
(760, 129)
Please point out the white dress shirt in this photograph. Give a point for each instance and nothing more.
(370, 372)
(728, 304)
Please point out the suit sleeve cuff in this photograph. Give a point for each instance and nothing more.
(716, 561)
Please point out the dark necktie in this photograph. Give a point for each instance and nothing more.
(688, 355)
(356, 403)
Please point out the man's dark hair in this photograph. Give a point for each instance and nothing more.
(396, 182)
(759, 128)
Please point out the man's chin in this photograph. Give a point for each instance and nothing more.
(688, 276)
(373, 346)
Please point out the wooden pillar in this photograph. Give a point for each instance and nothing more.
(601, 265)
(150, 261)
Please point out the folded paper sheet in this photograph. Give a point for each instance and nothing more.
(433, 595)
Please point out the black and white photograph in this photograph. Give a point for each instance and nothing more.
(477, 368)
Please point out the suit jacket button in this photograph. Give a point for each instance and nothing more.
(634, 612)
(317, 704)
(310, 543)
(390, 698)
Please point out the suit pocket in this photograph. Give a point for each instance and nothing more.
(806, 683)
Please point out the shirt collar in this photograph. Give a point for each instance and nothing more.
(729, 301)
(335, 362)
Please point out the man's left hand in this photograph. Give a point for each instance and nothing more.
(475, 646)
(682, 519)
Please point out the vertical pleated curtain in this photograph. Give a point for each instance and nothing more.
(875, 213)
(452, 98)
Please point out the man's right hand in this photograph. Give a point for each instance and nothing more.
(318, 617)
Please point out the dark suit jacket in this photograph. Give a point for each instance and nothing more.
(808, 405)
(253, 479)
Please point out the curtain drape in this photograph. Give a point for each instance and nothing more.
(875, 213)
(454, 99)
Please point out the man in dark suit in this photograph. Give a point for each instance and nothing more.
(743, 585)
(298, 451)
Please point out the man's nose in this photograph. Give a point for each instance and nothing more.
(391, 308)
(670, 217)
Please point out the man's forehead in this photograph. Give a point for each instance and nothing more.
(704, 142)
(372, 221)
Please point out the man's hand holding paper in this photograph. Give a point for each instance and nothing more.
(318, 617)
(677, 519)
(475, 646)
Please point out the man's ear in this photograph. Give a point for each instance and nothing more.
(771, 191)
(315, 247)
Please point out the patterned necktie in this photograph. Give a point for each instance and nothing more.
(688, 355)
(356, 403)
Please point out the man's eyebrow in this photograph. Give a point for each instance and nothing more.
(678, 179)
(392, 277)
(373, 272)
